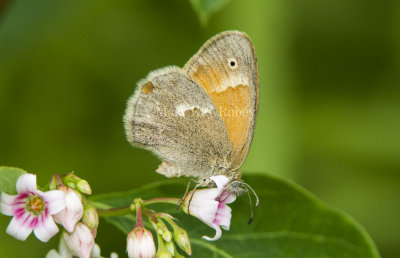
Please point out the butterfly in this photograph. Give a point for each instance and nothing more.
(199, 119)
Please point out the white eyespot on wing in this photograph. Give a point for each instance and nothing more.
(233, 81)
(182, 108)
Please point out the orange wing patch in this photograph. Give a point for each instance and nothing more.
(147, 88)
(234, 105)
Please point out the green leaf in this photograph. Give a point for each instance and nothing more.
(206, 8)
(8, 179)
(290, 222)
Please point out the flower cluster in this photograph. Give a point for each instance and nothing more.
(140, 242)
(79, 217)
(38, 211)
(66, 203)
(63, 251)
(209, 205)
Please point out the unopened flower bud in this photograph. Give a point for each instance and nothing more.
(163, 254)
(164, 232)
(53, 183)
(182, 240)
(80, 242)
(96, 252)
(178, 255)
(162, 251)
(170, 247)
(84, 187)
(73, 210)
(70, 180)
(113, 255)
(180, 235)
(140, 243)
(167, 236)
(90, 217)
(62, 252)
(77, 183)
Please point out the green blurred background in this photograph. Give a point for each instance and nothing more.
(329, 114)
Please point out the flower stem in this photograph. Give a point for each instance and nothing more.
(161, 200)
(112, 212)
(139, 219)
(121, 211)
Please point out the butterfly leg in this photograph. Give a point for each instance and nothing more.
(203, 182)
(186, 192)
(191, 197)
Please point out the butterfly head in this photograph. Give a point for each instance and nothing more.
(236, 186)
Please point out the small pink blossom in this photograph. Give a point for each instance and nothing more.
(32, 209)
(140, 243)
(80, 242)
(62, 251)
(73, 210)
(210, 206)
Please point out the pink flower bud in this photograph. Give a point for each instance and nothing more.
(80, 242)
(73, 210)
(90, 218)
(140, 243)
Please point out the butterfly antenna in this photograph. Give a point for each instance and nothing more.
(251, 207)
(254, 192)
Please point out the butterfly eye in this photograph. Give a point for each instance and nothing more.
(235, 184)
(232, 63)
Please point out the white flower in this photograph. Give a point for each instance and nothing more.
(95, 251)
(80, 242)
(32, 209)
(140, 243)
(209, 205)
(73, 210)
(63, 252)
(113, 255)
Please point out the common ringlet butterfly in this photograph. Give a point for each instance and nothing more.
(199, 119)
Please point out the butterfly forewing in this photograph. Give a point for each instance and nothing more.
(226, 68)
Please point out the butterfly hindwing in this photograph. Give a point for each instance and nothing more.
(171, 115)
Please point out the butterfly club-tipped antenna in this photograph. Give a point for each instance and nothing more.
(254, 192)
(251, 207)
(250, 201)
